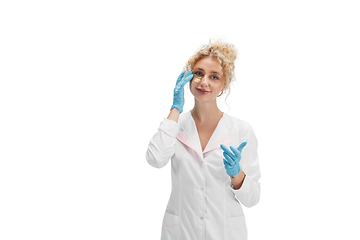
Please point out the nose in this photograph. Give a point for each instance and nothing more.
(204, 81)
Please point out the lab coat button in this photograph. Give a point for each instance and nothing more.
(202, 189)
(201, 218)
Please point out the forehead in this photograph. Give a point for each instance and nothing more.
(208, 64)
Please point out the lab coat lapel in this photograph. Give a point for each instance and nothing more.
(221, 134)
(188, 135)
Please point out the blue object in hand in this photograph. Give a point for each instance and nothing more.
(178, 101)
(232, 158)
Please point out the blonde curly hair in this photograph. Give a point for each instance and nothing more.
(224, 52)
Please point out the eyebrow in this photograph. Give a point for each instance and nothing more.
(204, 70)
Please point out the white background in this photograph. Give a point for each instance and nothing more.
(85, 85)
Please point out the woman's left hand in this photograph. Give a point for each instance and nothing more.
(231, 159)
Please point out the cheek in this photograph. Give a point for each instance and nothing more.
(191, 86)
(222, 85)
(218, 85)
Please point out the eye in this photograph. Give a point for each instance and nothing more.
(214, 77)
(198, 74)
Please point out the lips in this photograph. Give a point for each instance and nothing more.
(203, 91)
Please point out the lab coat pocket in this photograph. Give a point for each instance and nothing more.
(236, 228)
(171, 227)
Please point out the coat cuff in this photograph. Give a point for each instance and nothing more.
(245, 187)
(170, 127)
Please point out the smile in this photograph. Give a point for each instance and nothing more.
(202, 91)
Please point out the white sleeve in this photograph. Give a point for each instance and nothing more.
(249, 193)
(162, 144)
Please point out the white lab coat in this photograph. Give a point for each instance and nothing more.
(203, 203)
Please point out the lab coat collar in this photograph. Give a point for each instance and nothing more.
(188, 134)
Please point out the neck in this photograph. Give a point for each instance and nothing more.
(205, 111)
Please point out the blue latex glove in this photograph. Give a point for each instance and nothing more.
(231, 159)
(179, 100)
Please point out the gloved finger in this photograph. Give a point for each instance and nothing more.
(180, 77)
(227, 165)
(240, 148)
(236, 152)
(229, 159)
(226, 150)
(188, 76)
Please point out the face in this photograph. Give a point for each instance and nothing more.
(212, 82)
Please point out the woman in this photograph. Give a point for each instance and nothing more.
(214, 160)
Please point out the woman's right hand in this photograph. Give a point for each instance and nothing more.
(179, 100)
